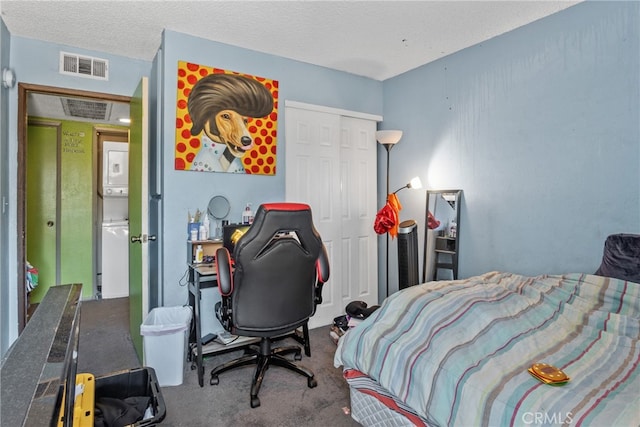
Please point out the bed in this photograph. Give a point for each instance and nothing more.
(456, 353)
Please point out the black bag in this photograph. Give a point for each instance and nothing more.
(359, 309)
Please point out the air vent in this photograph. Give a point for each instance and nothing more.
(85, 66)
(81, 108)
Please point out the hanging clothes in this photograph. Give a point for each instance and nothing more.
(432, 222)
(31, 277)
(388, 218)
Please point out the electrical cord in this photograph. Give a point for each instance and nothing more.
(184, 279)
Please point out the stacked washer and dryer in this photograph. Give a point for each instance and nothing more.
(114, 265)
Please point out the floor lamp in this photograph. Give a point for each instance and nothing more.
(388, 138)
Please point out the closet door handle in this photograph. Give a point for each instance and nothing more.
(49, 224)
(136, 239)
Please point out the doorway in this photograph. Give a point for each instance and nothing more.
(111, 254)
(76, 100)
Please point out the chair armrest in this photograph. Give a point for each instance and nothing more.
(322, 265)
(224, 272)
(322, 275)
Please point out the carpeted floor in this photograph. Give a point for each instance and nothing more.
(105, 347)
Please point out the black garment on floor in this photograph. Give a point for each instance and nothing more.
(111, 412)
(360, 310)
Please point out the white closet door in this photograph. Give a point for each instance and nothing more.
(331, 165)
(359, 242)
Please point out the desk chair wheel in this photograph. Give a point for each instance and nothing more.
(311, 382)
(298, 355)
(255, 401)
(214, 380)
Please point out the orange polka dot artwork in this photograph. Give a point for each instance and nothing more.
(225, 121)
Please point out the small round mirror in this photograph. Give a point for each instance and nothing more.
(218, 208)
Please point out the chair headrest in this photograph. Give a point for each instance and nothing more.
(275, 220)
(284, 206)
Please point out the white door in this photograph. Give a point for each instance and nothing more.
(331, 165)
(358, 205)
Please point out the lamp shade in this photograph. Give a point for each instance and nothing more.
(415, 183)
(388, 136)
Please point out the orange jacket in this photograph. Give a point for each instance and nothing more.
(388, 218)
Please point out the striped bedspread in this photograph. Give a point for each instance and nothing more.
(457, 352)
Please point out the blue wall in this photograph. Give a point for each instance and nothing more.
(185, 191)
(540, 128)
(36, 62)
(7, 311)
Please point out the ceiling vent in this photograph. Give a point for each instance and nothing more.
(85, 109)
(85, 66)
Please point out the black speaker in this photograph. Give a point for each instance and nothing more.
(407, 254)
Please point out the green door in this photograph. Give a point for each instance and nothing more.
(138, 213)
(42, 222)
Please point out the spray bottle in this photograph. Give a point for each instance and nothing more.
(206, 227)
(247, 215)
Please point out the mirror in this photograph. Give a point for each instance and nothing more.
(218, 209)
(442, 220)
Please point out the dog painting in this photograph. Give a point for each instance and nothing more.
(226, 122)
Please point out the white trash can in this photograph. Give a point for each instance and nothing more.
(165, 333)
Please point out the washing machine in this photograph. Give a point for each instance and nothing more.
(114, 245)
(115, 259)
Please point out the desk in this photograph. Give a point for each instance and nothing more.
(203, 276)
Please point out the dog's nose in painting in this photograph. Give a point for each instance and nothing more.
(246, 140)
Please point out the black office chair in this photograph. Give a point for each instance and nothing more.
(272, 288)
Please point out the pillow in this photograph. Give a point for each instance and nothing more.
(621, 258)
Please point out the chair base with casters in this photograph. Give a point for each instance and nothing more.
(264, 357)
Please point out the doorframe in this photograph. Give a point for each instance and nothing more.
(100, 134)
(331, 110)
(23, 91)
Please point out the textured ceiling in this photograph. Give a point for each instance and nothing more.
(376, 39)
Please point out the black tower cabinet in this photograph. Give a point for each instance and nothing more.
(444, 205)
(407, 254)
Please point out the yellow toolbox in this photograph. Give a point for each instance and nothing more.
(84, 404)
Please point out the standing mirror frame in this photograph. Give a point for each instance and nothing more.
(441, 249)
